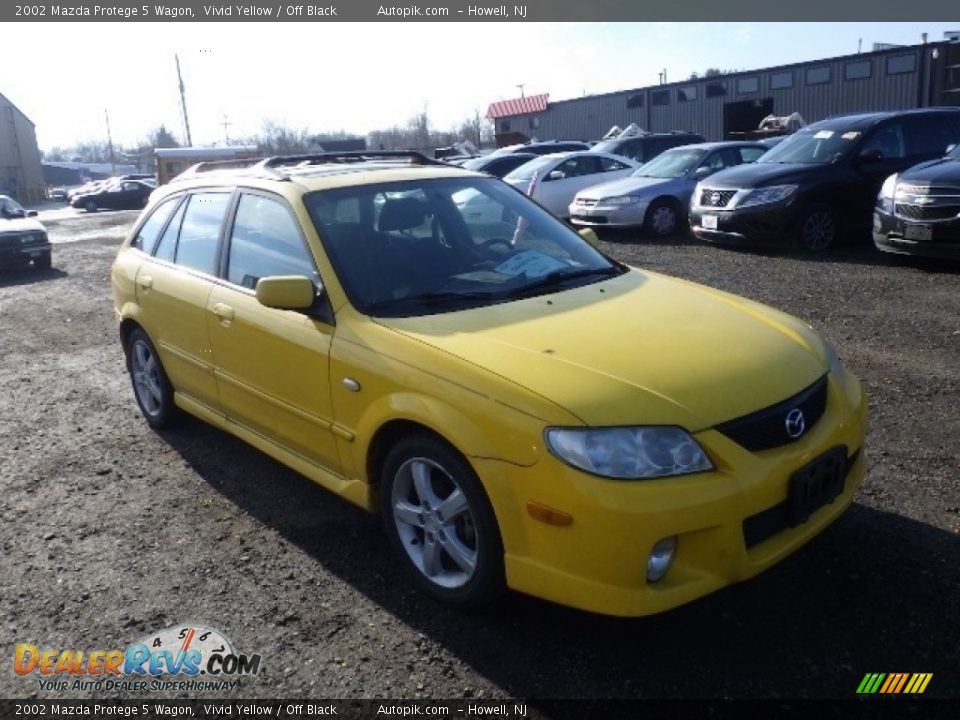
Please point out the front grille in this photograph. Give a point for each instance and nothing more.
(772, 521)
(11, 241)
(767, 428)
(927, 212)
(716, 198)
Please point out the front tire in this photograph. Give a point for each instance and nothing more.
(440, 522)
(662, 218)
(90, 206)
(151, 387)
(816, 229)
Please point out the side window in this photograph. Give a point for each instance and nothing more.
(266, 241)
(149, 231)
(609, 164)
(200, 231)
(928, 135)
(167, 247)
(750, 154)
(888, 140)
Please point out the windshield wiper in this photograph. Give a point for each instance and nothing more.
(429, 298)
(559, 277)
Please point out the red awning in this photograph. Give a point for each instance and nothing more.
(518, 106)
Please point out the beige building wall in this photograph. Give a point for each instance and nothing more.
(20, 171)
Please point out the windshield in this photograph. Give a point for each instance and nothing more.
(438, 245)
(10, 208)
(476, 163)
(955, 153)
(607, 146)
(812, 147)
(670, 164)
(526, 171)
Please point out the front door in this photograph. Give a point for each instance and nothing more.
(272, 365)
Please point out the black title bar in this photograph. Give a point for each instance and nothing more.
(460, 11)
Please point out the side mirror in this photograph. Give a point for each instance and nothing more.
(701, 172)
(590, 236)
(286, 292)
(31, 213)
(870, 155)
(555, 175)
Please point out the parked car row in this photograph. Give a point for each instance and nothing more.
(806, 190)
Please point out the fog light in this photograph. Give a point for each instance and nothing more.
(661, 558)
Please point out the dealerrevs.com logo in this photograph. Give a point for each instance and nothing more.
(185, 652)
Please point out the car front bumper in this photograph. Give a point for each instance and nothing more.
(599, 561)
(762, 225)
(939, 239)
(15, 252)
(630, 215)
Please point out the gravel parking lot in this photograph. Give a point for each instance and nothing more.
(111, 531)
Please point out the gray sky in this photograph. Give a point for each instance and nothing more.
(360, 77)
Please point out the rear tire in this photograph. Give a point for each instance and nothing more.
(151, 387)
(440, 522)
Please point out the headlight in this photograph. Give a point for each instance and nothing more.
(619, 200)
(629, 452)
(764, 196)
(888, 187)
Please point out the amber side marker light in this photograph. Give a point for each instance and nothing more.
(549, 515)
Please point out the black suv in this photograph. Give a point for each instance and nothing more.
(918, 211)
(644, 148)
(820, 181)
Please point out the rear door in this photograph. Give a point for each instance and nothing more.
(172, 287)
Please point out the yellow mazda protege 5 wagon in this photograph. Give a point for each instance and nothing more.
(524, 411)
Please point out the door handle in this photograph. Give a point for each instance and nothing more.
(224, 312)
(145, 281)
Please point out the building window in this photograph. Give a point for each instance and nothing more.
(687, 94)
(818, 75)
(716, 89)
(534, 123)
(635, 101)
(504, 126)
(781, 80)
(857, 70)
(748, 85)
(660, 97)
(901, 64)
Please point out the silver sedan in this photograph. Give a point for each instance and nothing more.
(657, 194)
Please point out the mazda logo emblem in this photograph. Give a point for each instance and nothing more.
(795, 423)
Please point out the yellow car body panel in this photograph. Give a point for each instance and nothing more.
(638, 349)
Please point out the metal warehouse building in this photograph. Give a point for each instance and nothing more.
(887, 79)
(20, 173)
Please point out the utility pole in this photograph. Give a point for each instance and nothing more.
(226, 123)
(183, 103)
(521, 86)
(113, 161)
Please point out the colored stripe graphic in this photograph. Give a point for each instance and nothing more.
(894, 683)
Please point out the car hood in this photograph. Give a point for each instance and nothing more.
(942, 170)
(18, 225)
(631, 185)
(761, 174)
(637, 349)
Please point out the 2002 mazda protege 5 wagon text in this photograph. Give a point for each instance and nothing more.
(524, 411)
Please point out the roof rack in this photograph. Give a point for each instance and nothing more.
(231, 164)
(415, 158)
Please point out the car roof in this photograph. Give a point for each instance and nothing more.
(860, 121)
(717, 145)
(318, 171)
